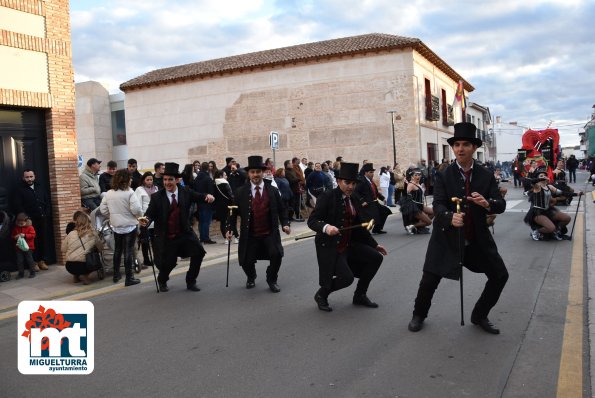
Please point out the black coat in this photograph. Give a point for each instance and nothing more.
(443, 254)
(35, 202)
(235, 178)
(203, 183)
(363, 193)
(277, 213)
(330, 209)
(158, 212)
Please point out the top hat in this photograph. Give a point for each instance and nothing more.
(255, 162)
(368, 167)
(172, 169)
(348, 171)
(227, 160)
(465, 132)
(92, 161)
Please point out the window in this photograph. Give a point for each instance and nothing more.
(428, 89)
(444, 109)
(118, 128)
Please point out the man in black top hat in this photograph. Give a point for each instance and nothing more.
(343, 255)
(169, 208)
(262, 210)
(463, 236)
(368, 195)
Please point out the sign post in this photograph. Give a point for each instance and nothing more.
(274, 142)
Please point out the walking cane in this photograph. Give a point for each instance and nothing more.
(147, 237)
(231, 208)
(367, 225)
(461, 254)
(575, 214)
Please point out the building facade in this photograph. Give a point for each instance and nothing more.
(326, 99)
(37, 129)
(480, 116)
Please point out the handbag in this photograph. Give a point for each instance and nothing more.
(92, 259)
(22, 244)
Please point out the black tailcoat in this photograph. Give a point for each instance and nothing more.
(373, 209)
(158, 212)
(443, 254)
(277, 213)
(330, 209)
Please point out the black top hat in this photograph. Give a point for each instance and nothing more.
(348, 171)
(92, 161)
(255, 162)
(227, 160)
(465, 132)
(172, 169)
(368, 167)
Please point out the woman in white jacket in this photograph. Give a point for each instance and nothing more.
(143, 193)
(384, 181)
(122, 207)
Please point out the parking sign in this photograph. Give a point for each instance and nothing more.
(274, 140)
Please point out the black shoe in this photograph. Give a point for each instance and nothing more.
(209, 242)
(379, 232)
(362, 299)
(20, 275)
(163, 287)
(130, 281)
(298, 220)
(486, 325)
(322, 303)
(32, 274)
(416, 324)
(117, 277)
(274, 287)
(250, 284)
(193, 287)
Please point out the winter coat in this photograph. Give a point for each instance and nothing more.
(89, 184)
(29, 232)
(73, 250)
(122, 208)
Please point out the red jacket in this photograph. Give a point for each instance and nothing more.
(29, 232)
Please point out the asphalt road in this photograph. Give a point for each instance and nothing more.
(233, 342)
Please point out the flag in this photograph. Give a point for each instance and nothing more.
(460, 96)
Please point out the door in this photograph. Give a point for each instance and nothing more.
(23, 145)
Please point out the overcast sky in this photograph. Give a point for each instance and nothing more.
(530, 61)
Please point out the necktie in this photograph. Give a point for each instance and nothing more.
(468, 220)
(174, 203)
(348, 209)
(257, 197)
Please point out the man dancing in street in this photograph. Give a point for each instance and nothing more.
(466, 231)
(343, 255)
(169, 208)
(261, 209)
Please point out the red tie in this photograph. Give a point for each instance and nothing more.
(374, 189)
(468, 220)
(174, 203)
(257, 197)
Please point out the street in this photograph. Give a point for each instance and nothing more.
(234, 342)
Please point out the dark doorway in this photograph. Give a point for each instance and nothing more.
(23, 145)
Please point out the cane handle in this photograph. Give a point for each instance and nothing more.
(458, 202)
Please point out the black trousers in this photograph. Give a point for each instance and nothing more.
(124, 247)
(256, 248)
(39, 226)
(358, 261)
(488, 299)
(174, 247)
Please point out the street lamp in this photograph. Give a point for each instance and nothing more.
(392, 125)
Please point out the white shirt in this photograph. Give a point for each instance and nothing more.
(169, 194)
(261, 185)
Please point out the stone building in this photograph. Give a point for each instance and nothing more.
(326, 99)
(37, 108)
(481, 117)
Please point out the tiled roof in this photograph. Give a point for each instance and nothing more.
(287, 55)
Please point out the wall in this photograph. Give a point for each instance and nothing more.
(55, 94)
(321, 110)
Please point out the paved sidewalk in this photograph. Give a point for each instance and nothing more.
(57, 282)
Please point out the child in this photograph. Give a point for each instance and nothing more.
(24, 228)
